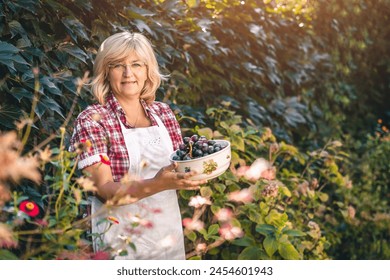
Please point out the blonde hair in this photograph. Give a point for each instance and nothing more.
(118, 47)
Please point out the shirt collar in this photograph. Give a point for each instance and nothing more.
(115, 107)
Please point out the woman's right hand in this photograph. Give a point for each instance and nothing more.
(168, 178)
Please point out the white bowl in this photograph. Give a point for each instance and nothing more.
(207, 167)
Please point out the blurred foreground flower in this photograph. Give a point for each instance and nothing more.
(260, 168)
(12, 165)
(244, 195)
(85, 145)
(113, 220)
(224, 215)
(198, 201)
(201, 248)
(29, 207)
(229, 232)
(104, 159)
(5, 194)
(87, 184)
(7, 239)
(191, 224)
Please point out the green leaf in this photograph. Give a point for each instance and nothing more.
(253, 253)
(246, 241)
(74, 51)
(288, 251)
(255, 216)
(206, 131)
(75, 29)
(284, 190)
(213, 229)
(214, 209)
(8, 48)
(142, 26)
(238, 142)
(219, 187)
(206, 191)
(270, 245)
(7, 255)
(191, 236)
(275, 218)
(323, 196)
(293, 232)
(265, 229)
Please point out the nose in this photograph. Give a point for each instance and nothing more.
(127, 71)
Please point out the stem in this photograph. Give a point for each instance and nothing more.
(216, 243)
(73, 169)
(32, 113)
(311, 161)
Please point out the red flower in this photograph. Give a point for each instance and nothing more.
(113, 220)
(104, 159)
(29, 207)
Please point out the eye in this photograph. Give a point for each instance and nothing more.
(118, 66)
(136, 65)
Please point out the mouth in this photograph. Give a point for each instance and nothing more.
(128, 82)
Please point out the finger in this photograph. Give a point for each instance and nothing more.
(170, 167)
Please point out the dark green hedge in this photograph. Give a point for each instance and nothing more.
(310, 77)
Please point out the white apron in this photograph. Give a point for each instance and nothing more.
(161, 235)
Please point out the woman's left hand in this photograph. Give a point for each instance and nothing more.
(168, 178)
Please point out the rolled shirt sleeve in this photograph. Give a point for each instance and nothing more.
(87, 128)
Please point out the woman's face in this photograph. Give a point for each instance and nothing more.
(127, 78)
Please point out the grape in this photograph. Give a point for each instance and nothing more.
(197, 153)
(194, 138)
(197, 146)
(183, 147)
(187, 157)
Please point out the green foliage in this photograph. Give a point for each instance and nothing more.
(287, 217)
(315, 72)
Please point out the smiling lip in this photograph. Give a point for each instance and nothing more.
(128, 82)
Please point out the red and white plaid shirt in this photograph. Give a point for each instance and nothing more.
(100, 125)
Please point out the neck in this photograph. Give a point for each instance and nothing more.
(129, 104)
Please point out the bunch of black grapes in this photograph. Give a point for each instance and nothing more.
(197, 146)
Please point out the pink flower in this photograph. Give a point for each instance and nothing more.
(224, 214)
(191, 224)
(269, 174)
(244, 195)
(229, 232)
(260, 168)
(29, 207)
(198, 201)
(201, 247)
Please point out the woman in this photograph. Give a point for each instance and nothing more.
(131, 137)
